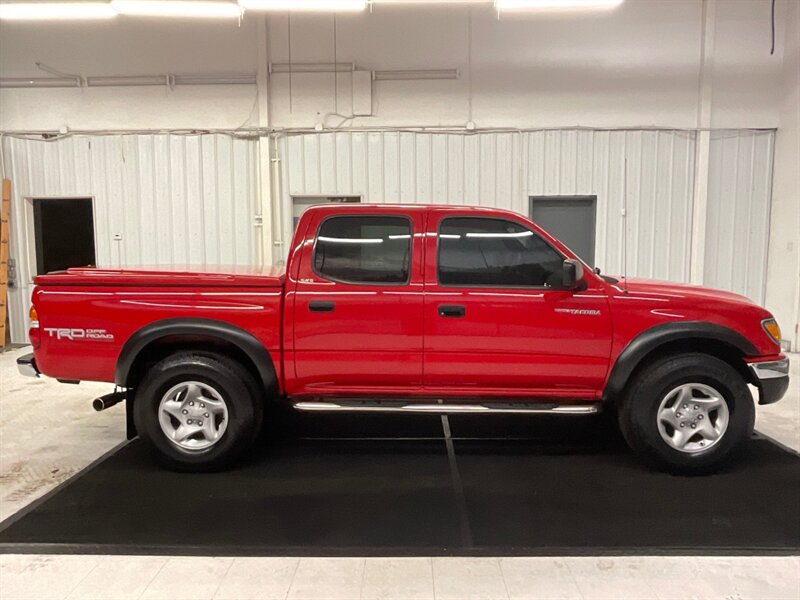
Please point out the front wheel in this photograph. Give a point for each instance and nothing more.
(687, 414)
(198, 411)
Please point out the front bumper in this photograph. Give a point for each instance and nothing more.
(772, 379)
(27, 366)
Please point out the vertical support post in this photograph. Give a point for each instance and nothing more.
(265, 195)
(702, 143)
(5, 213)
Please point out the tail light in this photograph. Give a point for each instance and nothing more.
(34, 333)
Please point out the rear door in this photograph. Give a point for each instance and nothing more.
(496, 319)
(357, 304)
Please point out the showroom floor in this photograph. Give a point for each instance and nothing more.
(41, 447)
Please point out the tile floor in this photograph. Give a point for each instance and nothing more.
(37, 577)
(43, 443)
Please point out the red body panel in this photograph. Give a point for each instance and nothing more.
(514, 341)
(383, 339)
(67, 313)
(371, 343)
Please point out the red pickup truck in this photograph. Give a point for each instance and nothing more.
(410, 309)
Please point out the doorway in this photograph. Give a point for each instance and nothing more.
(301, 203)
(571, 219)
(63, 230)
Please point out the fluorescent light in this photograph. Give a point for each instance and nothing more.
(52, 11)
(333, 240)
(308, 5)
(519, 234)
(519, 5)
(177, 8)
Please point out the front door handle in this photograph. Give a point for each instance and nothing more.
(320, 306)
(452, 310)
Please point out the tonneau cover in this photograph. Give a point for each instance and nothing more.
(193, 276)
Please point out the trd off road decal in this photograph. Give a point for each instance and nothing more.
(72, 334)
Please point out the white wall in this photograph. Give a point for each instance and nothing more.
(127, 47)
(783, 279)
(173, 200)
(504, 169)
(635, 66)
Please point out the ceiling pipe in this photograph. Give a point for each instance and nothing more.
(129, 81)
(385, 75)
(39, 82)
(311, 67)
(414, 74)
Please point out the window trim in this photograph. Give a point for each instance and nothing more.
(365, 283)
(491, 285)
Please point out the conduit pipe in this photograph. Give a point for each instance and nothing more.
(128, 80)
(171, 81)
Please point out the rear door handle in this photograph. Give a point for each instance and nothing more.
(452, 310)
(320, 306)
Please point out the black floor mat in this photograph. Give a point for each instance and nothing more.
(515, 486)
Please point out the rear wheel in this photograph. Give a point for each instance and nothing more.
(687, 414)
(197, 411)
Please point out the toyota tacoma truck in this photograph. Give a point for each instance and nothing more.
(410, 309)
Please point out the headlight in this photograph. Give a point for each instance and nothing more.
(772, 329)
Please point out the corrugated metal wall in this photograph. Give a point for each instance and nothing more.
(505, 169)
(176, 200)
(192, 199)
(739, 201)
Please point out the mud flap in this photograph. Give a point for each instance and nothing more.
(130, 426)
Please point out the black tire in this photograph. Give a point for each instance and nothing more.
(643, 396)
(234, 384)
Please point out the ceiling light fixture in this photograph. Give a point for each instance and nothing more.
(202, 9)
(522, 5)
(53, 11)
(305, 5)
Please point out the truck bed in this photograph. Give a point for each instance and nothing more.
(87, 315)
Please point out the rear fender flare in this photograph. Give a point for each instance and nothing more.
(225, 332)
(650, 340)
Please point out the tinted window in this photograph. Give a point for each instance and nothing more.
(474, 251)
(364, 249)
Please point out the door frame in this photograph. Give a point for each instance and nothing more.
(592, 198)
(30, 229)
(288, 218)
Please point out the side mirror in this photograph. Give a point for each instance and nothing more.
(573, 274)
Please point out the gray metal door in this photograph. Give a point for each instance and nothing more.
(569, 218)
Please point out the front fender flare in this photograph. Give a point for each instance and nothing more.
(651, 339)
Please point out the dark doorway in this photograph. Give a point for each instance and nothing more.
(64, 233)
(569, 218)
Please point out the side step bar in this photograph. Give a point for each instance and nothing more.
(505, 408)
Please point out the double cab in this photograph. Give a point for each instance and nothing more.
(410, 309)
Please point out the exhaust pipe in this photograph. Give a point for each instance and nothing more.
(109, 400)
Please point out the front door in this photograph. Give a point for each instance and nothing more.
(496, 319)
(357, 305)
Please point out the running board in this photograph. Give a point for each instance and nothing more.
(505, 408)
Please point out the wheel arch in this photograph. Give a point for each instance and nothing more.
(674, 338)
(160, 338)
